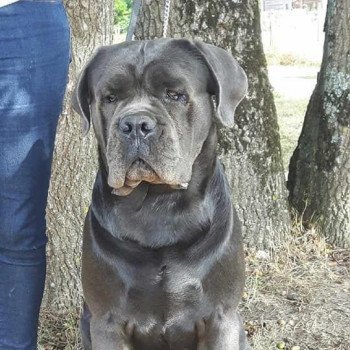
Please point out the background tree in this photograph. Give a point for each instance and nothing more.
(251, 150)
(74, 161)
(319, 177)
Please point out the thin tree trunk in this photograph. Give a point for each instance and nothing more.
(251, 150)
(319, 178)
(74, 161)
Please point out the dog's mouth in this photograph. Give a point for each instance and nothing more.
(140, 171)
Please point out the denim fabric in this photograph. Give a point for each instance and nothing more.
(34, 59)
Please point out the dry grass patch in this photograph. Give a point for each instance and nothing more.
(298, 297)
(59, 331)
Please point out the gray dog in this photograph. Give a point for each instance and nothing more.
(163, 265)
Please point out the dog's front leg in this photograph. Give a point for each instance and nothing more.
(222, 331)
(110, 337)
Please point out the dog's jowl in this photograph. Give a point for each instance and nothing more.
(163, 264)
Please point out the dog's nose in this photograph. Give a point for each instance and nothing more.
(140, 126)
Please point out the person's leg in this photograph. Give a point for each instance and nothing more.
(34, 59)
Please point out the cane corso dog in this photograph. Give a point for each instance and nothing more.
(162, 265)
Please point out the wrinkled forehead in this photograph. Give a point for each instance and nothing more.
(177, 61)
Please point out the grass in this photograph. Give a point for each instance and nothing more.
(299, 295)
(295, 296)
(291, 113)
(59, 331)
(289, 59)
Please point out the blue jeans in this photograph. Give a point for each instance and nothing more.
(34, 60)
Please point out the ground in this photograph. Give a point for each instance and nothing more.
(297, 297)
(292, 86)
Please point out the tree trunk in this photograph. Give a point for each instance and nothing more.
(319, 178)
(74, 161)
(251, 150)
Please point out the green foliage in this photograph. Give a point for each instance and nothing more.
(122, 11)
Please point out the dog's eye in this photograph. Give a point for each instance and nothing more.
(177, 96)
(111, 98)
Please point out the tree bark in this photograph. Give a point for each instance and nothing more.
(74, 162)
(251, 150)
(319, 178)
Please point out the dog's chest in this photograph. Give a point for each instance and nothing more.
(164, 305)
(162, 291)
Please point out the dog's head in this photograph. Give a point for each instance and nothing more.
(152, 104)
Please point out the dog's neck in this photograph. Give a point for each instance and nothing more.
(178, 211)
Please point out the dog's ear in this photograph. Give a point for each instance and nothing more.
(81, 97)
(230, 81)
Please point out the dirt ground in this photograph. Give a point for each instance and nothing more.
(297, 297)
